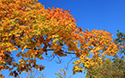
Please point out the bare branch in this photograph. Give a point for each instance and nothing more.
(60, 60)
(72, 58)
(51, 56)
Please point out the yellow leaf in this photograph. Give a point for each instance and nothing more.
(55, 40)
(98, 48)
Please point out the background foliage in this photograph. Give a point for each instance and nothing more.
(113, 68)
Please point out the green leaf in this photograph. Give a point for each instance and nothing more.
(69, 28)
(42, 29)
(13, 21)
(37, 25)
(36, 31)
(43, 22)
(39, 17)
(46, 29)
(22, 42)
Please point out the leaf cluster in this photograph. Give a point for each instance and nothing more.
(111, 68)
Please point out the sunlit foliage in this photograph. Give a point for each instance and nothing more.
(111, 68)
(26, 24)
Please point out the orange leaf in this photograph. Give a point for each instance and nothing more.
(122, 46)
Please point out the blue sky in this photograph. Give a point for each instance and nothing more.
(91, 14)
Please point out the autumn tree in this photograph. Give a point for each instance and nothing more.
(26, 24)
(113, 68)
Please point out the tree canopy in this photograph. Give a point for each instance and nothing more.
(113, 68)
(26, 24)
